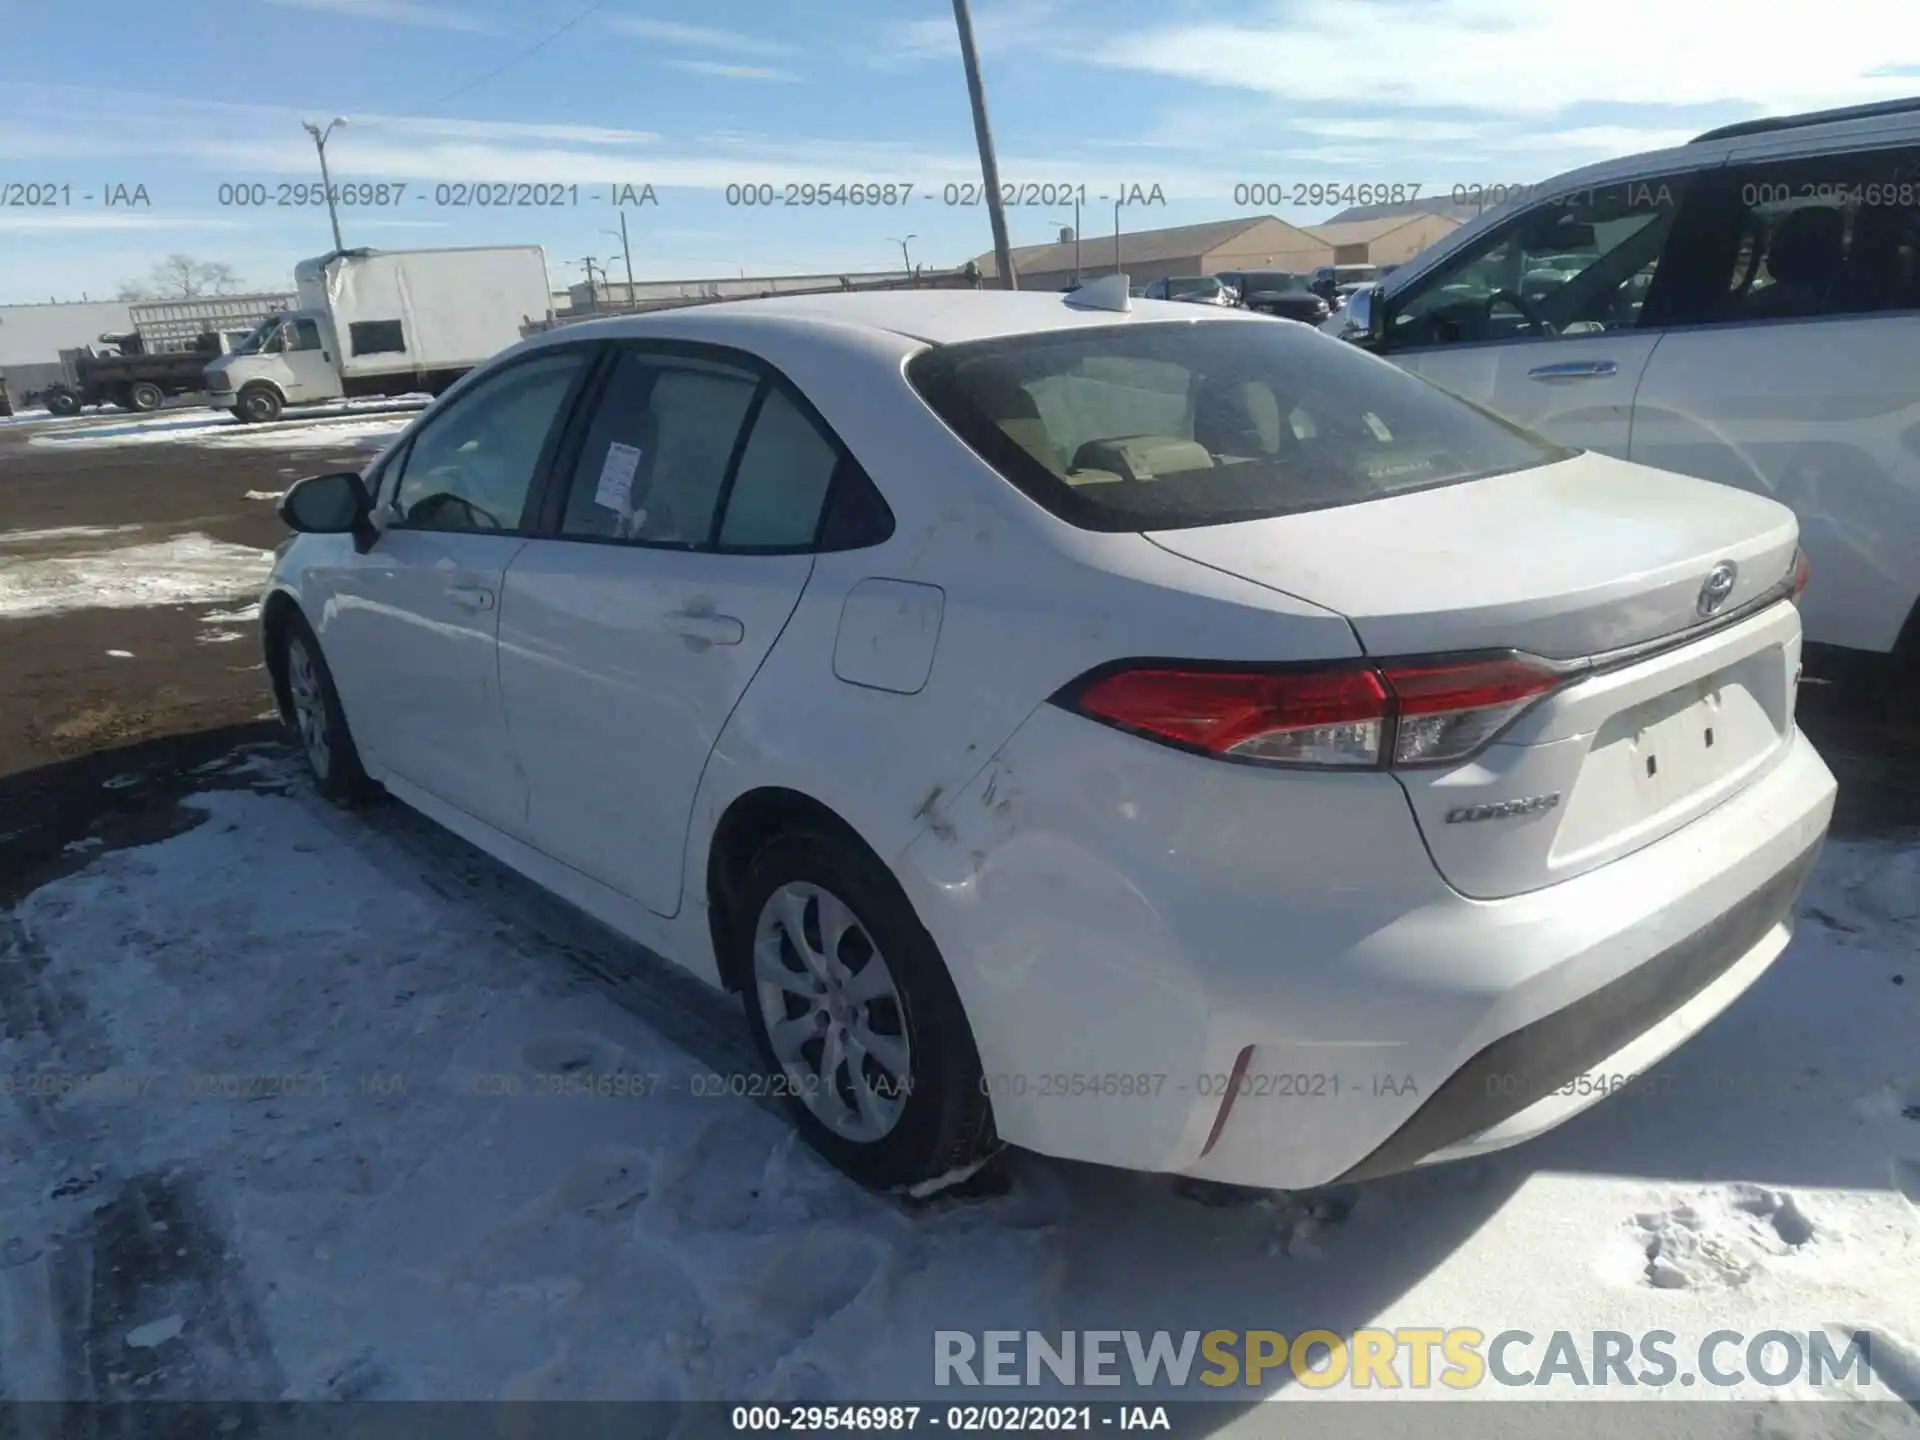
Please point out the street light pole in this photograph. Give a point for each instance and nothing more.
(983, 133)
(326, 180)
(906, 260)
(1116, 237)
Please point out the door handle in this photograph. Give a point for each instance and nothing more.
(470, 597)
(1574, 370)
(704, 627)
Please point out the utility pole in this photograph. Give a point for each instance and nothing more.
(982, 132)
(906, 260)
(593, 298)
(326, 180)
(627, 251)
(1116, 237)
(1076, 239)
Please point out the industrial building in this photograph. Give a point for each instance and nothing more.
(1382, 240)
(32, 337)
(1253, 242)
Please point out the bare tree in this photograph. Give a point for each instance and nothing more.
(181, 277)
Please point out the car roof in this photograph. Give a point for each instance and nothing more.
(936, 317)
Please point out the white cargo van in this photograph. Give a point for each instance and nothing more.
(383, 322)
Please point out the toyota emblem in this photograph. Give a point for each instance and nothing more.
(1717, 587)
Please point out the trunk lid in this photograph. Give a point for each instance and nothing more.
(1569, 561)
(1565, 561)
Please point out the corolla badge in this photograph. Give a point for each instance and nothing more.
(1717, 587)
(1502, 809)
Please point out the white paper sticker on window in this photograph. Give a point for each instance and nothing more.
(615, 490)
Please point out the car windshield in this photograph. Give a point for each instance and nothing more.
(258, 336)
(1157, 426)
(1194, 289)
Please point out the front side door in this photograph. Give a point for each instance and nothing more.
(681, 539)
(411, 629)
(1793, 370)
(1541, 320)
(307, 363)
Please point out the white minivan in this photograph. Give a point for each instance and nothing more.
(1745, 308)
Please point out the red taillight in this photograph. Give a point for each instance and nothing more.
(1449, 709)
(1434, 711)
(1308, 717)
(1802, 572)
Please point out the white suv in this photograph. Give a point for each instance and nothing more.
(1744, 308)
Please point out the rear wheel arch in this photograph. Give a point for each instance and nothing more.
(750, 823)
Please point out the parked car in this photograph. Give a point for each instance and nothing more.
(1744, 308)
(1194, 289)
(1068, 721)
(1277, 292)
(1328, 280)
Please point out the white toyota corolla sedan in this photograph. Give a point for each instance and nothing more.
(1144, 733)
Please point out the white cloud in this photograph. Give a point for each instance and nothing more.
(84, 220)
(507, 130)
(1022, 24)
(400, 12)
(696, 37)
(732, 72)
(1523, 58)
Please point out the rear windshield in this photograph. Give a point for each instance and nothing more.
(1163, 425)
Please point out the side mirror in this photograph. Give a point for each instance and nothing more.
(1359, 310)
(336, 504)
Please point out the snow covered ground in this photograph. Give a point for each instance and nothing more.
(359, 424)
(74, 567)
(405, 1211)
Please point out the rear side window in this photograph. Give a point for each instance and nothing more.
(781, 485)
(1159, 426)
(1799, 239)
(655, 458)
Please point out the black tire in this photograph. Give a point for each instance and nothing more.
(946, 1123)
(62, 403)
(259, 404)
(146, 396)
(322, 735)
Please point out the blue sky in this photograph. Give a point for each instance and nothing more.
(1195, 96)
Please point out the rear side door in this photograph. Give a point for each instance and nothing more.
(677, 539)
(1792, 368)
(1542, 320)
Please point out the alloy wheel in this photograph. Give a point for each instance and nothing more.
(832, 1011)
(309, 705)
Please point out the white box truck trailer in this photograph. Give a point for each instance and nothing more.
(383, 322)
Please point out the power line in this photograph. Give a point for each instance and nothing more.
(540, 44)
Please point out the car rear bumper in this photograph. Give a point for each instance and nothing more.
(1259, 977)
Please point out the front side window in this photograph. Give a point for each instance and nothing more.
(1581, 265)
(1159, 425)
(472, 465)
